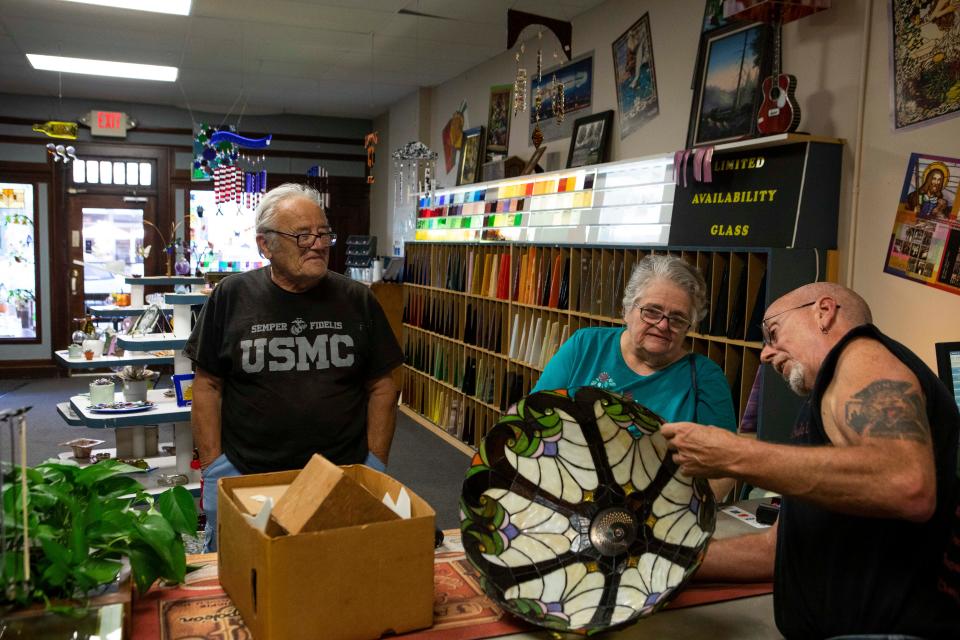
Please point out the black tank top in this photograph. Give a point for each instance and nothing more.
(843, 574)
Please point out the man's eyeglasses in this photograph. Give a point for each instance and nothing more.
(307, 240)
(652, 315)
(770, 337)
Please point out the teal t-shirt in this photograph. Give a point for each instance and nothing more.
(592, 357)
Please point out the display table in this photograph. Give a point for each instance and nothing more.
(201, 609)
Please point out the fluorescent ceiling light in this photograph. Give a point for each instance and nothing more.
(103, 68)
(178, 7)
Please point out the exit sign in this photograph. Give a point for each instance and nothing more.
(107, 123)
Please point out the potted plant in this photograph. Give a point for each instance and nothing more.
(101, 391)
(134, 378)
(83, 522)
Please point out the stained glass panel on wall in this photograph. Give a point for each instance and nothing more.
(576, 515)
(18, 252)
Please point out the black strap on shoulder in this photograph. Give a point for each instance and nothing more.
(693, 385)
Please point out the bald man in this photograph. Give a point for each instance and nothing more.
(863, 544)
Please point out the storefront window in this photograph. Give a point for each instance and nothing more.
(18, 263)
(222, 236)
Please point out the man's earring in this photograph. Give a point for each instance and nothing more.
(824, 330)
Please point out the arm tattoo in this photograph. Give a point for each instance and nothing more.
(889, 409)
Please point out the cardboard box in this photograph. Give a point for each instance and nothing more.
(343, 582)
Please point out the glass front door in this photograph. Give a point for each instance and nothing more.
(112, 251)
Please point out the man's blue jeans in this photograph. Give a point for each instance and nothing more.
(219, 468)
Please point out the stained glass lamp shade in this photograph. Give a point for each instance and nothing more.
(577, 517)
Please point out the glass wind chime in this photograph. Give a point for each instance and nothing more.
(414, 168)
(555, 93)
(232, 182)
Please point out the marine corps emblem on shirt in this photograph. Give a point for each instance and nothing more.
(297, 326)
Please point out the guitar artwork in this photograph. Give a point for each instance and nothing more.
(780, 111)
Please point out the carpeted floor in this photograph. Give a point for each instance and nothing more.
(429, 466)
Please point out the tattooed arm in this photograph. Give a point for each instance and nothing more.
(881, 463)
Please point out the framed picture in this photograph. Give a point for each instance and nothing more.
(471, 156)
(590, 142)
(183, 384)
(577, 79)
(498, 120)
(732, 64)
(635, 76)
(147, 320)
(924, 59)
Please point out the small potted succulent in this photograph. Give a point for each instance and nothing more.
(134, 378)
(101, 391)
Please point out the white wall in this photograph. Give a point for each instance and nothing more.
(912, 313)
(408, 120)
(827, 54)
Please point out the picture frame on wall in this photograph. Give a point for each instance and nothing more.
(635, 76)
(590, 141)
(731, 66)
(471, 156)
(498, 118)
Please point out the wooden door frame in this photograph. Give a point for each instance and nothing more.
(75, 205)
(60, 227)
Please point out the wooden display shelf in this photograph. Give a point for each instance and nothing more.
(185, 298)
(168, 281)
(450, 328)
(114, 311)
(151, 342)
(104, 362)
(166, 411)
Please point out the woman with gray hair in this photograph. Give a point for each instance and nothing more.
(646, 361)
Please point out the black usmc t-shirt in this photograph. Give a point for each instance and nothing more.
(294, 368)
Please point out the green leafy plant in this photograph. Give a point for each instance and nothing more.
(82, 522)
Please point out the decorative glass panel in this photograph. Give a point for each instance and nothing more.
(146, 179)
(133, 174)
(106, 172)
(18, 253)
(576, 515)
(93, 172)
(79, 172)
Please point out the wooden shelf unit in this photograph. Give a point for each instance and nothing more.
(480, 322)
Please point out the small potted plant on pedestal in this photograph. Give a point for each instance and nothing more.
(135, 378)
(101, 391)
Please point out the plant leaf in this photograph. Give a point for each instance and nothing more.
(100, 570)
(103, 470)
(180, 510)
(158, 533)
(146, 567)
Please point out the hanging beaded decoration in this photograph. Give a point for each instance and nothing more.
(520, 85)
(537, 137)
(559, 108)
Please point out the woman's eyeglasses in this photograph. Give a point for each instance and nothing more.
(652, 315)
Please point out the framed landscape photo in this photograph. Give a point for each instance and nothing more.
(498, 120)
(471, 156)
(733, 62)
(590, 141)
